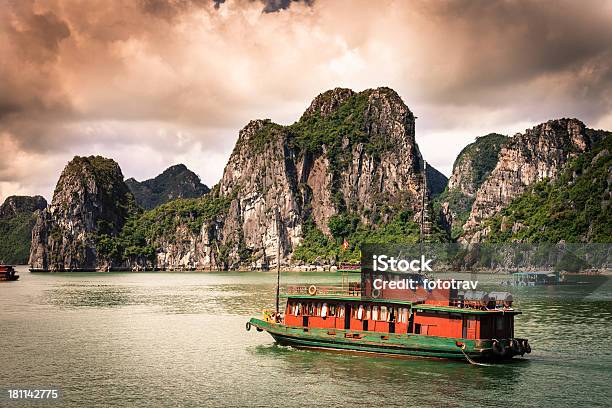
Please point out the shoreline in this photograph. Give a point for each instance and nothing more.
(598, 272)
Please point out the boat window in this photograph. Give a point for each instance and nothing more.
(360, 312)
(310, 309)
(295, 309)
(368, 312)
(355, 313)
(405, 315)
(374, 312)
(384, 313)
(499, 323)
(324, 310)
(332, 310)
(340, 311)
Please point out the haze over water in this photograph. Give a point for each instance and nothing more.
(179, 339)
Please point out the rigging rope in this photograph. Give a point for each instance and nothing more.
(470, 360)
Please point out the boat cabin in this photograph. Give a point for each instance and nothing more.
(535, 278)
(398, 316)
(7, 273)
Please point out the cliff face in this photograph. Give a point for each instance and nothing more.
(349, 153)
(436, 181)
(16, 222)
(472, 166)
(575, 208)
(90, 200)
(475, 162)
(538, 154)
(15, 205)
(351, 157)
(175, 182)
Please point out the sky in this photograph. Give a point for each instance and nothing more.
(152, 83)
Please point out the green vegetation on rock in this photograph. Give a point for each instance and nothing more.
(16, 233)
(16, 222)
(483, 154)
(314, 131)
(175, 182)
(470, 169)
(573, 208)
(460, 204)
(143, 230)
(399, 230)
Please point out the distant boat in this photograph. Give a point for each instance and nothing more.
(7, 273)
(349, 268)
(535, 279)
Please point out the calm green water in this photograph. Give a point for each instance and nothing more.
(163, 339)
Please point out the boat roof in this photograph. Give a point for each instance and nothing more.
(418, 306)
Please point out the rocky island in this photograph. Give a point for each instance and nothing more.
(348, 169)
(175, 182)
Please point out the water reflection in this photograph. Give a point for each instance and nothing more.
(395, 380)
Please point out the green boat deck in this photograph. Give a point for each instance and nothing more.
(375, 342)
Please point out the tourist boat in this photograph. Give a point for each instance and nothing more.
(356, 316)
(7, 273)
(471, 325)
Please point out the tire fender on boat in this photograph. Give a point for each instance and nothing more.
(515, 345)
(526, 346)
(498, 348)
(248, 326)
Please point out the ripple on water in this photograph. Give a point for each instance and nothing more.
(179, 339)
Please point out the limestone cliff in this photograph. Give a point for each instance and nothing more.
(90, 200)
(348, 166)
(351, 158)
(574, 208)
(471, 167)
(538, 154)
(349, 152)
(16, 221)
(436, 181)
(175, 182)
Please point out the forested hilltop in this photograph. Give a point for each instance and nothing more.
(573, 208)
(16, 221)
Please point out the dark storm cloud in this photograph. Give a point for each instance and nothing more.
(500, 43)
(172, 8)
(35, 36)
(272, 6)
(176, 79)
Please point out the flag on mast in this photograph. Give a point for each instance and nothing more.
(345, 245)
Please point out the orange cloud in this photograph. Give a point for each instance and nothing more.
(156, 82)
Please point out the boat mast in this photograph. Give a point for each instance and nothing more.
(423, 192)
(278, 231)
